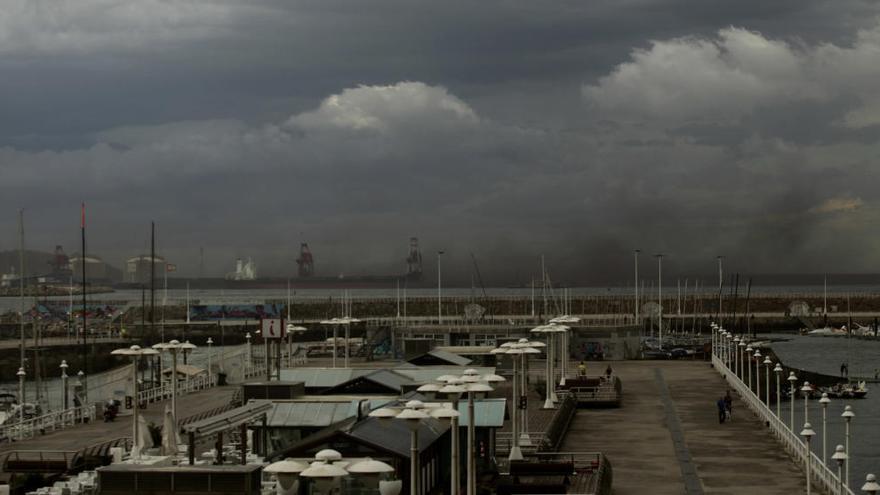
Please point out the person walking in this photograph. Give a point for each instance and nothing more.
(728, 406)
(722, 410)
(582, 368)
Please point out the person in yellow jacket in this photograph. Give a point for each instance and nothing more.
(582, 368)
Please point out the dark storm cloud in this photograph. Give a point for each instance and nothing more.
(504, 128)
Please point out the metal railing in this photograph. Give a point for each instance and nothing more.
(600, 393)
(163, 392)
(52, 421)
(504, 440)
(591, 471)
(821, 474)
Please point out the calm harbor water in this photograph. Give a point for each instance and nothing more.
(255, 296)
(825, 355)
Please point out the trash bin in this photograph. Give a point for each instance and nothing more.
(221, 379)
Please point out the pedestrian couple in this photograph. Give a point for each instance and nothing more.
(724, 407)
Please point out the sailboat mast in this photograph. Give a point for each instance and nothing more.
(152, 279)
(84, 350)
(21, 290)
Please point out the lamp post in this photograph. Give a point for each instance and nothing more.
(453, 390)
(531, 347)
(740, 352)
(439, 291)
(728, 352)
(871, 486)
(210, 342)
(791, 380)
(840, 457)
(778, 370)
(736, 341)
(413, 413)
(561, 322)
(806, 389)
(749, 363)
(250, 350)
(286, 473)
(64, 400)
(80, 377)
(21, 374)
(332, 322)
(291, 330)
(474, 383)
(451, 414)
(135, 352)
(824, 401)
(757, 357)
(847, 415)
(767, 364)
(808, 433)
(173, 347)
(515, 353)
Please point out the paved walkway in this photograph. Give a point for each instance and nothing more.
(75, 438)
(666, 437)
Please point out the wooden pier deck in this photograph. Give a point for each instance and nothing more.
(81, 436)
(665, 437)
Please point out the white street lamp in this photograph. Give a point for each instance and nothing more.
(562, 321)
(531, 347)
(840, 457)
(413, 413)
(80, 376)
(174, 347)
(21, 374)
(757, 357)
(791, 380)
(451, 414)
(135, 352)
(767, 364)
(824, 401)
(748, 358)
(515, 452)
(474, 383)
(740, 352)
(453, 390)
(736, 342)
(286, 472)
(291, 330)
(847, 415)
(871, 486)
(250, 350)
(64, 401)
(333, 322)
(210, 342)
(806, 389)
(778, 370)
(808, 433)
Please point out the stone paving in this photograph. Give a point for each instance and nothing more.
(666, 438)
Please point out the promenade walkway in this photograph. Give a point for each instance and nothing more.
(666, 438)
(78, 437)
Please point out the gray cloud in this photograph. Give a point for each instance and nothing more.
(507, 129)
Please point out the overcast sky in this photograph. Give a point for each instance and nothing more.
(506, 128)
